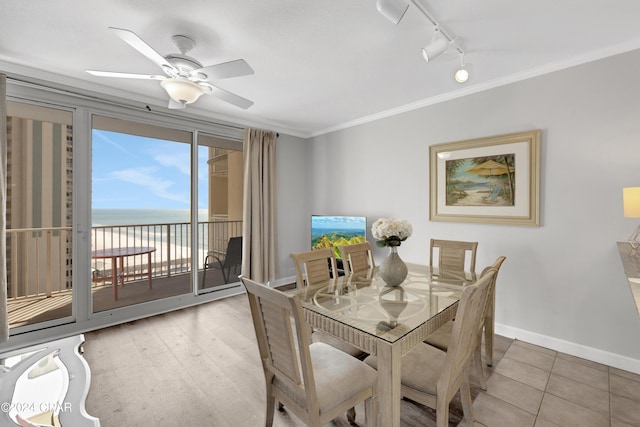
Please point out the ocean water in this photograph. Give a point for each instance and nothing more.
(142, 216)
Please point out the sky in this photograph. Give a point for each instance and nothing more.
(339, 222)
(132, 172)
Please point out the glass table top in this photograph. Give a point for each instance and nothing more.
(365, 302)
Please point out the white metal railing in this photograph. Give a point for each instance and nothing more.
(172, 243)
(39, 261)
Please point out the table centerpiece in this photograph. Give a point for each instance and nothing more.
(391, 233)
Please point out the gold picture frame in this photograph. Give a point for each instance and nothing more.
(494, 180)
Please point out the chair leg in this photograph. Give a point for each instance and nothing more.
(488, 340)
(477, 361)
(442, 412)
(371, 412)
(467, 403)
(271, 403)
(351, 416)
(204, 273)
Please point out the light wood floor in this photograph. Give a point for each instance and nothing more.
(200, 367)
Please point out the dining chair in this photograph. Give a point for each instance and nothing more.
(452, 254)
(314, 380)
(357, 257)
(316, 267)
(231, 259)
(441, 337)
(432, 377)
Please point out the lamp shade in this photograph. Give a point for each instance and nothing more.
(182, 90)
(437, 47)
(631, 201)
(393, 10)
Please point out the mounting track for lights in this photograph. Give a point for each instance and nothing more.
(453, 40)
(394, 11)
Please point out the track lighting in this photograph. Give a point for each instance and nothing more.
(437, 47)
(393, 10)
(462, 74)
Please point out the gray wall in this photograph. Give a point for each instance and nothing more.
(562, 285)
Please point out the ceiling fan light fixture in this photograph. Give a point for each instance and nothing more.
(437, 47)
(393, 10)
(181, 90)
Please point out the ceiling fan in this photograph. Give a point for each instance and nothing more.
(185, 78)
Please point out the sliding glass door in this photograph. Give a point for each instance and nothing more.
(220, 200)
(143, 245)
(141, 213)
(114, 211)
(39, 214)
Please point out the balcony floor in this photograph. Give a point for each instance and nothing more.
(32, 310)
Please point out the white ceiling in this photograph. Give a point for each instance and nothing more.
(319, 65)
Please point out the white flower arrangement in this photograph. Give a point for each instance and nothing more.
(391, 232)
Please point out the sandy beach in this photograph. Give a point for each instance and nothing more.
(166, 257)
(480, 198)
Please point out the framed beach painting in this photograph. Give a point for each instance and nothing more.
(487, 180)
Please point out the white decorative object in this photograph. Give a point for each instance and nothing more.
(391, 233)
(393, 270)
(50, 379)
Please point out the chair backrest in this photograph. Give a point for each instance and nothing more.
(234, 252)
(452, 255)
(357, 257)
(314, 266)
(272, 312)
(496, 267)
(465, 333)
(489, 313)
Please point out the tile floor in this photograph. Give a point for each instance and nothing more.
(533, 386)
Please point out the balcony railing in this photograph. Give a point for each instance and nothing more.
(39, 259)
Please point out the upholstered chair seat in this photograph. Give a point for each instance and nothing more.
(338, 378)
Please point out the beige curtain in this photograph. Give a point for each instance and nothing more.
(259, 215)
(4, 318)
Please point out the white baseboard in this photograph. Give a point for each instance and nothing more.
(282, 282)
(600, 356)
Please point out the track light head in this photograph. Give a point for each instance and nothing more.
(462, 74)
(393, 10)
(439, 45)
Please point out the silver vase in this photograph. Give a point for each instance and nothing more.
(393, 270)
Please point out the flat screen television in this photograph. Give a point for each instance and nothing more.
(330, 231)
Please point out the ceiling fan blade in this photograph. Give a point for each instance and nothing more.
(231, 98)
(141, 46)
(175, 105)
(225, 70)
(125, 75)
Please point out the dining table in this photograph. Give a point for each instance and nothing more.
(385, 321)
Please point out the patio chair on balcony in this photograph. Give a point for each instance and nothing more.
(232, 259)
